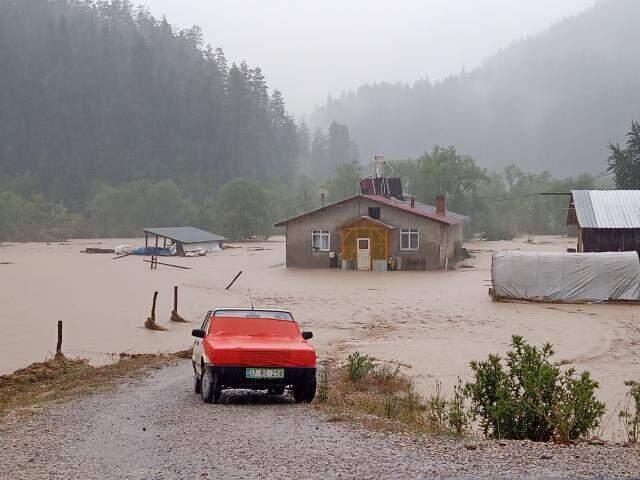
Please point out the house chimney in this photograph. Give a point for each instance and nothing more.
(441, 207)
(413, 202)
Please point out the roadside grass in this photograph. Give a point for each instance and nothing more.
(61, 378)
(380, 395)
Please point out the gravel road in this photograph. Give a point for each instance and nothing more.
(156, 428)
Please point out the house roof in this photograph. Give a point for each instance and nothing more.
(607, 208)
(420, 210)
(366, 218)
(185, 234)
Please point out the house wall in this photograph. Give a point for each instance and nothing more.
(432, 234)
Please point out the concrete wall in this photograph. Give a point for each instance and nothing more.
(432, 234)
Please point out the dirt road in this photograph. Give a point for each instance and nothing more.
(156, 428)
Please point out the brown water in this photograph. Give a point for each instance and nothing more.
(436, 322)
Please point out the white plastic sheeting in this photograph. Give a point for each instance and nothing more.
(566, 277)
(207, 247)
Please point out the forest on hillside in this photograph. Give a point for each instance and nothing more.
(552, 101)
(101, 102)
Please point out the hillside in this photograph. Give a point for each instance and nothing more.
(552, 101)
(101, 92)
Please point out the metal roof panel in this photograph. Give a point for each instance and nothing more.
(607, 208)
(185, 234)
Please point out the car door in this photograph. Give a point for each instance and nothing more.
(198, 344)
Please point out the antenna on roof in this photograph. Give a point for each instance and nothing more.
(250, 299)
(323, 193)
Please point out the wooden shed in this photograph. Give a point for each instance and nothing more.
(607, 220)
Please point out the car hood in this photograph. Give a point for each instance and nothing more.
(259, 351)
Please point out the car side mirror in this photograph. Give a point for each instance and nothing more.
(198, 332)
(307, 335)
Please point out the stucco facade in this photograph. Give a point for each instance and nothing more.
(438, 241)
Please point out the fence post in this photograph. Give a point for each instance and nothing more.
(59, 344)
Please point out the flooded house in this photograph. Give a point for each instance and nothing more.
(378, 229)
(607, 220)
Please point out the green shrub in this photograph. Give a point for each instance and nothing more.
(526, 397)
(390, 406)
(449, 416)
(358, 366)
(495, 233)
(323, 385)
(631, 414)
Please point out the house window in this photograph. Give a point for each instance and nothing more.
(374, 212)
(409, 239)
(320, 240)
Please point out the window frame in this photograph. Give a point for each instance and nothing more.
(377, 209)
(321, 233)
(409, 232)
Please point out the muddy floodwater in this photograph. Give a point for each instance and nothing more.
(433, 322)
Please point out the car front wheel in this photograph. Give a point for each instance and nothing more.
(210, 389)
(305, 392)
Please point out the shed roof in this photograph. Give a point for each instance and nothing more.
(607, 208)
(185, 234)
(420, 209)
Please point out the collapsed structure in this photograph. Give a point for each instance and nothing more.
(188, 241)
(378, 229)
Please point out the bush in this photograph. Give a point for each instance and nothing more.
(323, 385)
(358, 366)
(529, 398)
(631, 414)
(449, 416)
(495, 233)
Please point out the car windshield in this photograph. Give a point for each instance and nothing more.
(253, 327)
(254, 314)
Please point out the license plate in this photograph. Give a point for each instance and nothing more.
(264, 372)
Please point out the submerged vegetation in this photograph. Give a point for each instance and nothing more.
(521, 397)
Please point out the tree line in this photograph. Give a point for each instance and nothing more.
(501, 204)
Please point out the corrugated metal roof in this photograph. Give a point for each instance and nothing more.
(607, 208)
(185, 234)
(420, 209)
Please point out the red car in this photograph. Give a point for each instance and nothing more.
(254, 349)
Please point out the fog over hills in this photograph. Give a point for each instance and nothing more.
(551, 101)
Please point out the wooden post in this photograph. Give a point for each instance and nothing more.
(175, 298)
(174, 314)
(146, 239)
(151, 321)
(234, 280)
(153, 306)
(59, 344)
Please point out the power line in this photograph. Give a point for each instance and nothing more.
(602, 174)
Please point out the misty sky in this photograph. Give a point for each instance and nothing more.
(310, 49)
